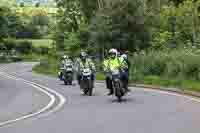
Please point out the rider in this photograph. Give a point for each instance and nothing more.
(107, 77)
(85, 62)
(125, 70)
(68, 60)
(112, 63)
(65, 60)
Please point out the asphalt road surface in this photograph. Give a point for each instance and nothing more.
(32, 103)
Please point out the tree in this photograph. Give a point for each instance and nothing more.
(9, 23)
(69, 19)
(121, 25)
(177, 26)
(89, 8)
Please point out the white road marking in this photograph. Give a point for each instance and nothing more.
(41, 89)
(173, 94)
(62, 99)
(167, 93)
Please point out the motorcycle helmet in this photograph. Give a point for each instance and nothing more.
(83, 55)
(124, 56)
(113, 53)
(65, 57)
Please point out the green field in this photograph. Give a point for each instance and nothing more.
(39, 42)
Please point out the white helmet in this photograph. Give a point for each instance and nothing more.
(65, 57)
(124, 56)
(113, 51)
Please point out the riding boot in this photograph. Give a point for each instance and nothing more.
(109, 86)
(111, 92)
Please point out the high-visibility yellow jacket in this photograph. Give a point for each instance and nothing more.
(112, 64)
(87, 64)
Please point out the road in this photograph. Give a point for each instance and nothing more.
(32, 103)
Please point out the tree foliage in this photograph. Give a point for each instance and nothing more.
(127, 24)
(9, 23)
(121, 25)
(177, 26)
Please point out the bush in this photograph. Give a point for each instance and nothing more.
(28, 31)
(15, 58)
(3, 59)
(9, 44)
(41, 50)
(47, 66)
(24, 47)
(177, 64)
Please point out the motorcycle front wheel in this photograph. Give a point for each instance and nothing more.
(118, 92)
(90, 87)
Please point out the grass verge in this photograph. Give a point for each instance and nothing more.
(46, 69)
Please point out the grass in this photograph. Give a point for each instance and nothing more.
(46, 69)
(100, 76)
(40, 42)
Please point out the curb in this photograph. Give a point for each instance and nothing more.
(174, 90)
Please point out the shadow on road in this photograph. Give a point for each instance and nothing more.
(124, 100)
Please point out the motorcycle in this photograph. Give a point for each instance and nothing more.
(86, 82)
(117, 84)
(68, 74)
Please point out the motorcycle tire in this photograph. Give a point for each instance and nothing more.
(118, 92)
(66, 82)
(70, 82)
(90, 87)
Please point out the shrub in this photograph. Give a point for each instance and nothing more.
(3, 59)
(41, 50)
(28, 31)
(24, 47)
(176, 64)
(10, 44)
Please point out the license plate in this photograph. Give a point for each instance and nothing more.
(69, 69)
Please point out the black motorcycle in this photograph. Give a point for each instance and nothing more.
(68, 74)
(86, 82)
(117, 84)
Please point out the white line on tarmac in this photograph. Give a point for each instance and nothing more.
(62, 99)
(173, 94)
(41, 89)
